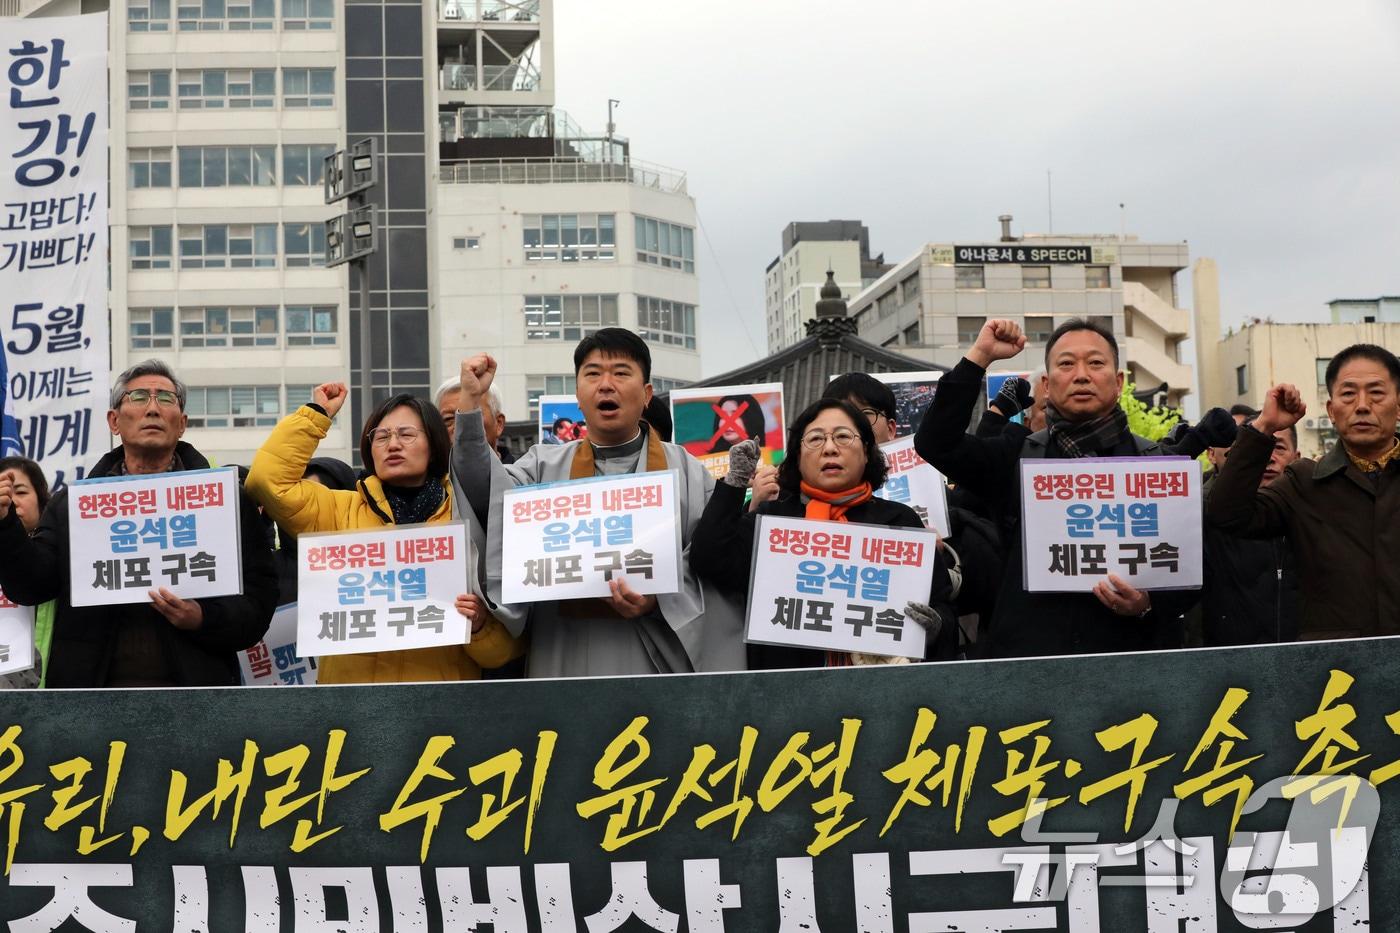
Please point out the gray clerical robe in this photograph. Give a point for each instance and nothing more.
(694, 630)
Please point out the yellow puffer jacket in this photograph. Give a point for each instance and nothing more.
(275, 481)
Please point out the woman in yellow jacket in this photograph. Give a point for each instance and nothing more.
(405, 441)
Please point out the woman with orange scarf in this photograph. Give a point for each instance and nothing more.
(832, 469)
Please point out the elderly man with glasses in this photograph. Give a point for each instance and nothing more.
(168, 642)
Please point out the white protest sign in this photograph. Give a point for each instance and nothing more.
(273, 662)
(53, 241)
(567, 540)
(129, 535)
(913, 481)
(16, 637)
(1137, 517)
(838, 586)
(383, 590)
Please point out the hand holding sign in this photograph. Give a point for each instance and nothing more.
(185, 614)
(7, 492)
(478, 372)
(999, 339)
(331, 396)
(1283, 408)
(627, 602)
(1122, 599)
(764, 486)
(469, 605)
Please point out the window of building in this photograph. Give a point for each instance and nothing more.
(466, 242)
(912, 334)
(661, 384)
(568, 317)
(1103, 320)
(233, 406)
(970, 276)
(305, 244)
(297, 396)
(151, 328)
(308, 87)
(968, 329)
(308, 14)
(148, 90)
(1322, 365)
(661, 320)
(1096, 277)
(305, 165)
(148, 168)
(150, 247)
(1241, 380)
(1035, 276)
(227, 166)
(231, 15)
(228, 327)
(535, 386)
(148, 15)
(236, 89)
(670, 246)
(228, 246)
(311, 325)
(887, 304)
(570, 237)
(1039, 327)
(909, 289)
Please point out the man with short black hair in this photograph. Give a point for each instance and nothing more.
(628, 633)
(168, 642)
(1341, 514)
(873, 398)
(1083, 384)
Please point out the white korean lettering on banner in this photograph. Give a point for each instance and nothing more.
(16, 636)
(913, 481)
(568, 540)
(273, 662)
(129, 535)
(838, 586)
(386, 590)
(53, 241)
(1136, 517)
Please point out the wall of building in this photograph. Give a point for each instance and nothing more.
(794, 286)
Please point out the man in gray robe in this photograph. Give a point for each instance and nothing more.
(626, 633)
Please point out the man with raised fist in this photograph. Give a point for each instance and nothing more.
(1082, 386)
(1341, 514)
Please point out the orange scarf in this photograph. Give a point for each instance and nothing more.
(833, 506)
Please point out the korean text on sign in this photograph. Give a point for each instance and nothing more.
(53, 240)
(133, 534)
(838, 586)
(913, 481)
(273, 662)
(568, 540)
(386, 590)
(16, 636)
(1138, 518)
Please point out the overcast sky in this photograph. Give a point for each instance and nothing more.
(1265, 134)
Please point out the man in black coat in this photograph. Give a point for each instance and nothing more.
(168, 642)
(1083, 384)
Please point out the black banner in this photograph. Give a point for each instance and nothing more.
(1033, 255)
(1184, 791)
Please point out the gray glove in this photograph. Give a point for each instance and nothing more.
(743, 462)
(927, 617)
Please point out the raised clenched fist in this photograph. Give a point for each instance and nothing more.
(1283, 408)
(331, 396)
(478, 372)
(999, 339)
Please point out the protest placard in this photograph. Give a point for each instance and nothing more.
(16, 636)
(913, 394)
(561, 420)
(568, 540)
(838, 586)
(53, 241)
(273, 662)
(708, 421)
(389, 589)
(913, 481)
(1137, 517)
(132, 534)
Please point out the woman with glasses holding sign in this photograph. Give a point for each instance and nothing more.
(833, 477)
(405, 449)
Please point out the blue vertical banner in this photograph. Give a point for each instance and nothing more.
(53, 241)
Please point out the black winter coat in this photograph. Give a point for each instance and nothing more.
(35, 570)
(1033, 624)
(721, 554)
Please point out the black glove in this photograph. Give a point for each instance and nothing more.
(743, 462)
(1013, 397)
(1217, 428)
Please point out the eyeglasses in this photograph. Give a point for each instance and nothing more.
(164, 397)
(379, 437)
(843, 437)
(872, 415)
